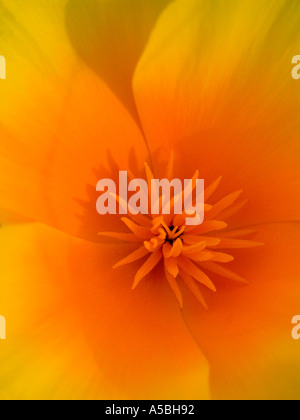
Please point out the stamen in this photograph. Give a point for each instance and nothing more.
(186, 250)
(149, 174)
(221, 257)
(171, 236)
(193, 287)
(172, 250)
(153, 244)
(226, 214)
(195, 272)
(209, 226)
(177, 248)
(135, 256)
(209, 191)
(224, 204)
(139, 218)
(224, 272)
(149, 265)
(201, 256)
(175, 288)
(169, 232)
(193, 239)
(167, 250)
(171, 266)
(179, 233)
(156, 224)
(210, 242)
(237, 244)
(139, 231)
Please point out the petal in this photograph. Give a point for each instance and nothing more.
(214, 84)
(110, 36)
(33, 59)
(53, 155)
(45, 354)
(137, 337)
(246, 332)
(75, 329)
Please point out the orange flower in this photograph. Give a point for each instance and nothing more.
(94, 88)
(183, 248)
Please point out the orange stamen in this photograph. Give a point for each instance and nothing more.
(135, 256)
(149, 265)
(186, 250)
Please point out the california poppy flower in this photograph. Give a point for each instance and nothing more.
(171, 88)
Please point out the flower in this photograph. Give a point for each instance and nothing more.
(183, 248)
(106, 86)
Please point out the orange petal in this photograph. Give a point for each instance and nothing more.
(246, 334)
(132, 331)
(75, 329)
(237, 117)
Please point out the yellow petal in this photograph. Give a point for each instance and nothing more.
(110, 35)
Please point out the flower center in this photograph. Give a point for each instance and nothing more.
(190, 254)
(173, 233)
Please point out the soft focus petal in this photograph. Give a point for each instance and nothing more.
(59, 124)
(55, 148)
(29, 41)
(40, 61)
(137, 337)
(75, 329)
(45, 354)
(246, 332)
(215, 85)
(110, 35)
